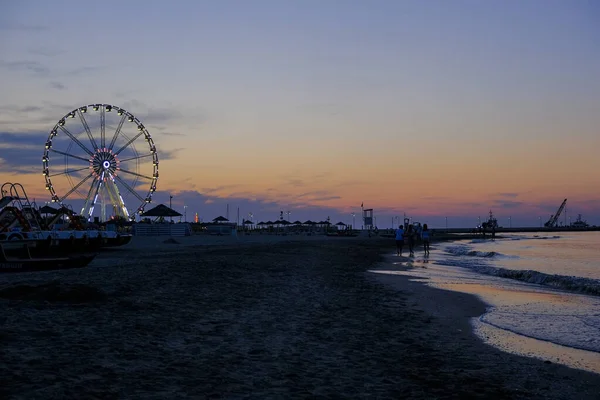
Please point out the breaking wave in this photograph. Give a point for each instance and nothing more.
(564, 282)
(534, 237)
(462, 250)
(574, 284)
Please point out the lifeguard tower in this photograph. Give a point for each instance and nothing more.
(368, 218)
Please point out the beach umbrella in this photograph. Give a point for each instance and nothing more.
(220, 218)
(341, 224)
(284, 222)
(247, 222)
(297, 223)
(261, 223)
(308, 222)
(161, 211)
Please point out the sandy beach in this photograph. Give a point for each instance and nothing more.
(254, 317)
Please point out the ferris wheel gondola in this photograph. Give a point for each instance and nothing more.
(101, 154)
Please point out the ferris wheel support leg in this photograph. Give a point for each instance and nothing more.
(91, 211)
(88, 198)
(119, 199)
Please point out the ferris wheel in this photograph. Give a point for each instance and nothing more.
(104, 157)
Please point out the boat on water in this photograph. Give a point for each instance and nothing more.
(22, 260)
(579, 223)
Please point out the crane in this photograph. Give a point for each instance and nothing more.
(553, 221)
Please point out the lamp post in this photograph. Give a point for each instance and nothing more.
(185, 213)
(170, 206)
(540, 218)
(288, 214)
(353, 218)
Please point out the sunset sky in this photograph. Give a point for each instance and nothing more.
(431, 108)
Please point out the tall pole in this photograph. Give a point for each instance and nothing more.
(510, 222)
(238, 216)
(353, 219)
(185, 213)
(170, 206)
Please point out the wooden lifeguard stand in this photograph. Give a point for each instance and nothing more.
(368, 218)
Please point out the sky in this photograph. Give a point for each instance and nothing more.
(440, 110)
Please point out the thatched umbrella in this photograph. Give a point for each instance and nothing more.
(220, 218)
(297, 223)
(161, 211)
(341, 224)
(247, 222)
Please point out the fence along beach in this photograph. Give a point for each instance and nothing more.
(261, 316)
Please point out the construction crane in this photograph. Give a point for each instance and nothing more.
(553, 221)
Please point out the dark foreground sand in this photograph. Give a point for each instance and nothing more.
(282, 320)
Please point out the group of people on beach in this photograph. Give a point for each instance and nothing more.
(411, 234)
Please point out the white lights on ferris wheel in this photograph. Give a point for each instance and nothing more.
(107, 152)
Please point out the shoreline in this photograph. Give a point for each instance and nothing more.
(289, 319)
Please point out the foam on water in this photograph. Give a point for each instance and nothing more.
(536, 311)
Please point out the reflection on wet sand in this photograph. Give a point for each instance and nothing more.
(517, 311)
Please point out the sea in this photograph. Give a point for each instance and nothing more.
(542, 291)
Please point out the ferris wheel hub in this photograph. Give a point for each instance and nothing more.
(104, 164)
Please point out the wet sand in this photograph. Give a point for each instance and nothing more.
(264, 319)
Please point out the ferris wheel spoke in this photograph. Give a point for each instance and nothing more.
(129, 142)
(70, 155)
(136, 174)
(73, 138)
(137, 157)
(87, 129)
(129, 188)
(70, 192)
(69, 171)
(102, 127)
(116, 135)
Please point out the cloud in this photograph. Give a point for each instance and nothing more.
(45, 52)
(38, 69)
(508, 195)
(296, 182)
(172, 134)
(13, 108)
(22, 153)
(57, 85)
(217, 189)
(209, 207)
(83, 70)
(33, 67)
(508, 204)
